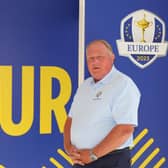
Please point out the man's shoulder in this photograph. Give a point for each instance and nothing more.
(123, 77)
(85, 83)
(125, 80)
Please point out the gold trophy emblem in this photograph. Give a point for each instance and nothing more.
(143, 24)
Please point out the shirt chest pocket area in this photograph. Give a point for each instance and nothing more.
(97, 108)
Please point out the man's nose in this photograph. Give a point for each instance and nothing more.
(95, 60)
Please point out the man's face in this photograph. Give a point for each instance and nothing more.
(99, 60)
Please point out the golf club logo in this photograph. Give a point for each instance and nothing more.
(142, 38)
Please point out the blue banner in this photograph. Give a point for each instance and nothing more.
(39, 73)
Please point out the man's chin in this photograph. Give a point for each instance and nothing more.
(96, 79)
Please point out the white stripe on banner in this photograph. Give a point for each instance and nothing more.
(81, 42)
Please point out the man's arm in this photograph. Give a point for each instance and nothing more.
(67, 134)
(117, 136)
(70, 149)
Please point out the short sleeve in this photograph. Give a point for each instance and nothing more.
(125, 110)
(71, 110)
(73, 104)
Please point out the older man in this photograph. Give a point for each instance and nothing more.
(101, 121)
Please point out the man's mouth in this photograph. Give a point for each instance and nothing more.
(96, 68)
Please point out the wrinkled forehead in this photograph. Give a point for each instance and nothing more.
(97, 49)
(104, 45)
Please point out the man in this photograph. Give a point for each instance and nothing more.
(99, 128)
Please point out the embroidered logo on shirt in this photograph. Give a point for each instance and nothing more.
(98, 95)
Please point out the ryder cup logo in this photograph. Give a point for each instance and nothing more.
(142, 38)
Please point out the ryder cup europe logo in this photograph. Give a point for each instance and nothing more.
(142, 38)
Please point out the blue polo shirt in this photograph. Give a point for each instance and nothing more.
(98, 107)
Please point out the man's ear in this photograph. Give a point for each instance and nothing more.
(113, 56)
